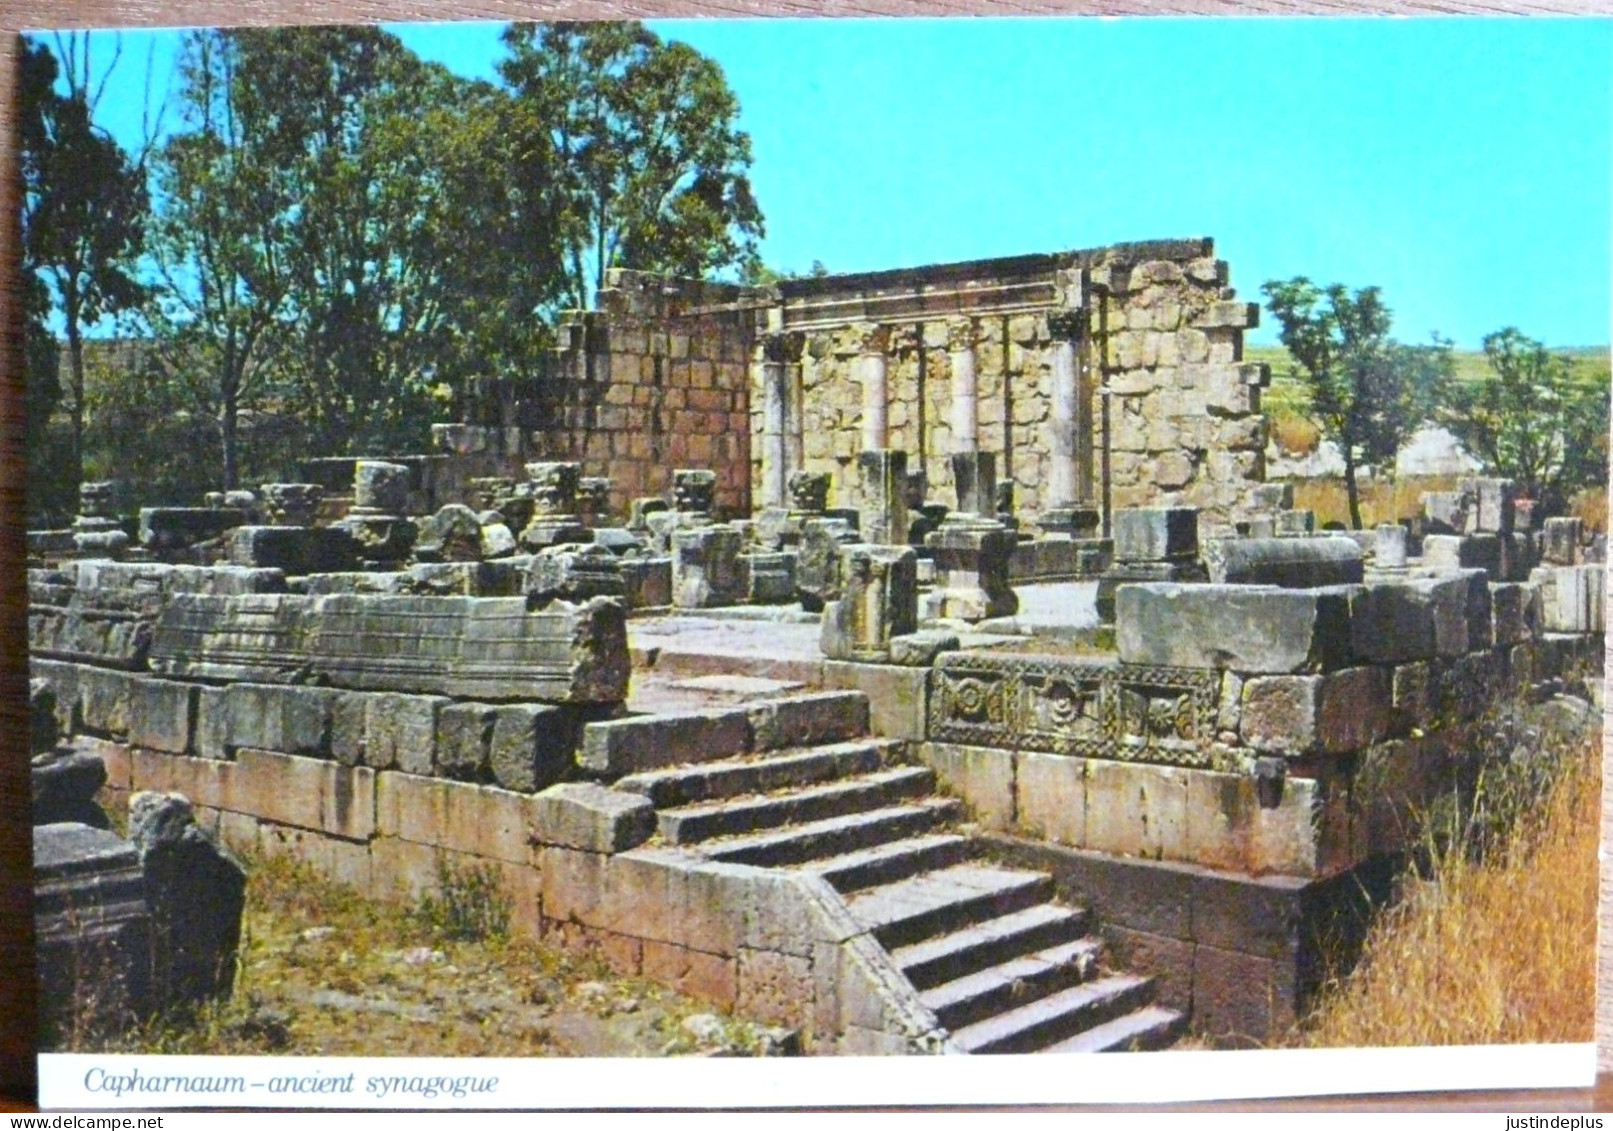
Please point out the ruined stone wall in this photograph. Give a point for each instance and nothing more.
(656, 379)
(1156, 325)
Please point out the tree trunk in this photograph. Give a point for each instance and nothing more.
(75, 361)
(1350, 487)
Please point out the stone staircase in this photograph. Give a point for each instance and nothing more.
(1004, 967)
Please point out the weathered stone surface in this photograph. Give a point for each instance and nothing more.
(883, 514)
(919, 649)
(92, 929)
(817, 567)
(898, 697)
(161, 714)
(401, 732)
(983, 778)
(574, 573)
(453, 534)
(1241, 628)
(807, 720)
(1449, 552)
(1289, 563)
(1353, 710)
(42, 727)
(103, 701)
(196, 892)
(1050, 800)
(878, 600)
(593, 818)
(531, 746)
(1155, 534)
(104, 627)
(694, 490)
(1137, 810)
(64, 785)
(1390, 550)
(705, 567)
(971, 570)
(1394, 622)
(624, 746)
(1571, 597)
(486, 647)
(1560, 541)
(464, 733)
(769, 578)
(165, 530)
(287, 720)
(1496, 501)
(381, 487)
(647, 582)
(498, 541)
(291, 504)
(553, 490)
(294, 549)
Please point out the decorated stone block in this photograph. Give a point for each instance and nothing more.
(291, 504)
(574, 573)
(1290, 563)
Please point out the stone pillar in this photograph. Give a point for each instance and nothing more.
(964, 415)
(878, 600)
(875, 390)
(96, 530)
(1069, 507)
(554, 519)
(883, 519)
(1063, 488)
(971, 570)
(376, 521)
(974, 475)
(693, 491)
(794, 440)
(706, 568)
(770, 375)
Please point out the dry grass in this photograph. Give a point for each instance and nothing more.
(325, 971)
(1591, 506)
(1491, 950)
(1382, 500)
(1295, 434)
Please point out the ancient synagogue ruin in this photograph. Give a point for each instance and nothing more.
(917, 659)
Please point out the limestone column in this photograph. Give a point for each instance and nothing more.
(769, 367)
(1069, 508)
(1062, 487)
(875, 386)
(964, 411)
(794, 406)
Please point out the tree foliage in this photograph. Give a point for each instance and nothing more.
(84, 214)
(651, 169)
(1368, 392)
(1531, 419)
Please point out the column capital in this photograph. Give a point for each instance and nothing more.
(960, 334)
(771, 348)
(871, 337)
(1065, 325)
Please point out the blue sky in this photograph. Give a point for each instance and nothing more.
(1461, 165)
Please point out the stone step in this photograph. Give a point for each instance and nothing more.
(896, 860)
(982, 945)
(1153, 1027)
(1057, 1017)
(688, 785)
(731, 817)
(935, 902)
(823, 839)
(984, 993)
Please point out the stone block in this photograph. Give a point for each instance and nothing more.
(972, 560)
(464, 733)
(705, 567)
(1294, 523)
(817, 566)
(1280, 713)
(1240, 628)
(348, 736)
(919, 649)
(290, 720)
(401, 732)
(983, 778)
(773, 988)
(1240, 1000)
(708, 977)
(1403, 620)
(1151, 534)
(1135, 809)
(1497, 501)
(898, 697)
(1288, 563)
(531, 746)
(625, 746)
(161, 714)
(769, 578)
(1050, 800)
(474, 820)
(196, 893)
(1390, 548)
(1353, 711)
(295, 550)
(574, 573)
(807, 720)
(647, 582)
(1411, 693)
(883, 514)
(1560, 541)
(304, 792)
(878, 600)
